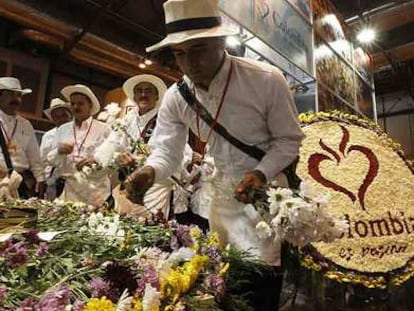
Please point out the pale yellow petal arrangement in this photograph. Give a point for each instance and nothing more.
(371, 186)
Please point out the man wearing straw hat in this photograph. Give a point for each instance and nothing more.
(76, 144)
(144, 93)
(243, 109)
(20, 140)
(59, 113)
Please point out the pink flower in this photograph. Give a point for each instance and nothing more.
(54, 300)
(16, 255)
(42, 250)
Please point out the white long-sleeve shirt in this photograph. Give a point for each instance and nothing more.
(258, 109)
(26, 154)
(47, 144)
(118, 141)
(85, 139)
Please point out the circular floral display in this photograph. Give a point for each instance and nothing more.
(372, 187)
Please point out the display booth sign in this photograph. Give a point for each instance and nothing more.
(278, 24)
(372, 187)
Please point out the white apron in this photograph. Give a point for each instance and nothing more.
(235, 223)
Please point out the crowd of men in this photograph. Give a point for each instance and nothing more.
(242, 109)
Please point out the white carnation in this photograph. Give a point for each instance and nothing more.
(263, 230)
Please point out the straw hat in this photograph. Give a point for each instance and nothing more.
(67, 91)
(191, 19)
(56, 103)
(131, 83)
(13, 84)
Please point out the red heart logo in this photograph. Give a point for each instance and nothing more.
(316, 159)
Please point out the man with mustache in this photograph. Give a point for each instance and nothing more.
(59, 113)
(144, 93)
(20, 139)
(76, 144)
(245, 113)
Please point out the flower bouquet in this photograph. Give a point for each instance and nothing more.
(297, 217)
(81, 260)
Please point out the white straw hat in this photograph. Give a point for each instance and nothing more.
(56, 103)
(131, 83)
(13, 84)
(67, 91)
(191, 19)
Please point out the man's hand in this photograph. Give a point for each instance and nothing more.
(41, 189)
(125, 159)
(65, 148)
(197, 158)
(138, 183)
(253, 179)
(85, 162)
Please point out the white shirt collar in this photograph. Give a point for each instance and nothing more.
(218, 82)
(85, 124)
(143, 119)
(6, 117)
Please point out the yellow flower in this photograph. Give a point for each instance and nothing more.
(137, 305)
(224, 269)
(179, 281)
(195, 232)
(102, 304)
(213, 240)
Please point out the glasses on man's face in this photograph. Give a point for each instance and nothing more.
(146, 90)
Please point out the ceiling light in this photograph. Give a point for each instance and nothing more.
(232, 42)
(142, 65)
(148, 62)
(366, 35)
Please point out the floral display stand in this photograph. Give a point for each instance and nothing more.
(371, 186)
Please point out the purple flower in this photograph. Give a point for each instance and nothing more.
(217, 286)
(181, 236)
(42, 250)
(28, 304)
(54, 300)
(99, 287)
(31, 236)
(213, 252)
(149, 276)
(3, 291)
(16, 255)
(78, 305)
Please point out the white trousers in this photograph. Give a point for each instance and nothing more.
(235, 223)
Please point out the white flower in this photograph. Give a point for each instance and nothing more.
(103, 116)
(113, 109)
(151, 300)
(183, 254)
(279, 194)
(150, 255)
(124, 302)
(59, 202)
(48, 236)
(322, 199)
(306, 190)
(263, 230)
(79, 205)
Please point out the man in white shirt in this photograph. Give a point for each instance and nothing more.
(252, 101)
(76, 144)
(20, 139)
(59, 113)
(144, 93)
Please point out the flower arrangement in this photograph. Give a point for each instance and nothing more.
(380, 179)
(76, 259)
(297, 217)
(110, 113)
